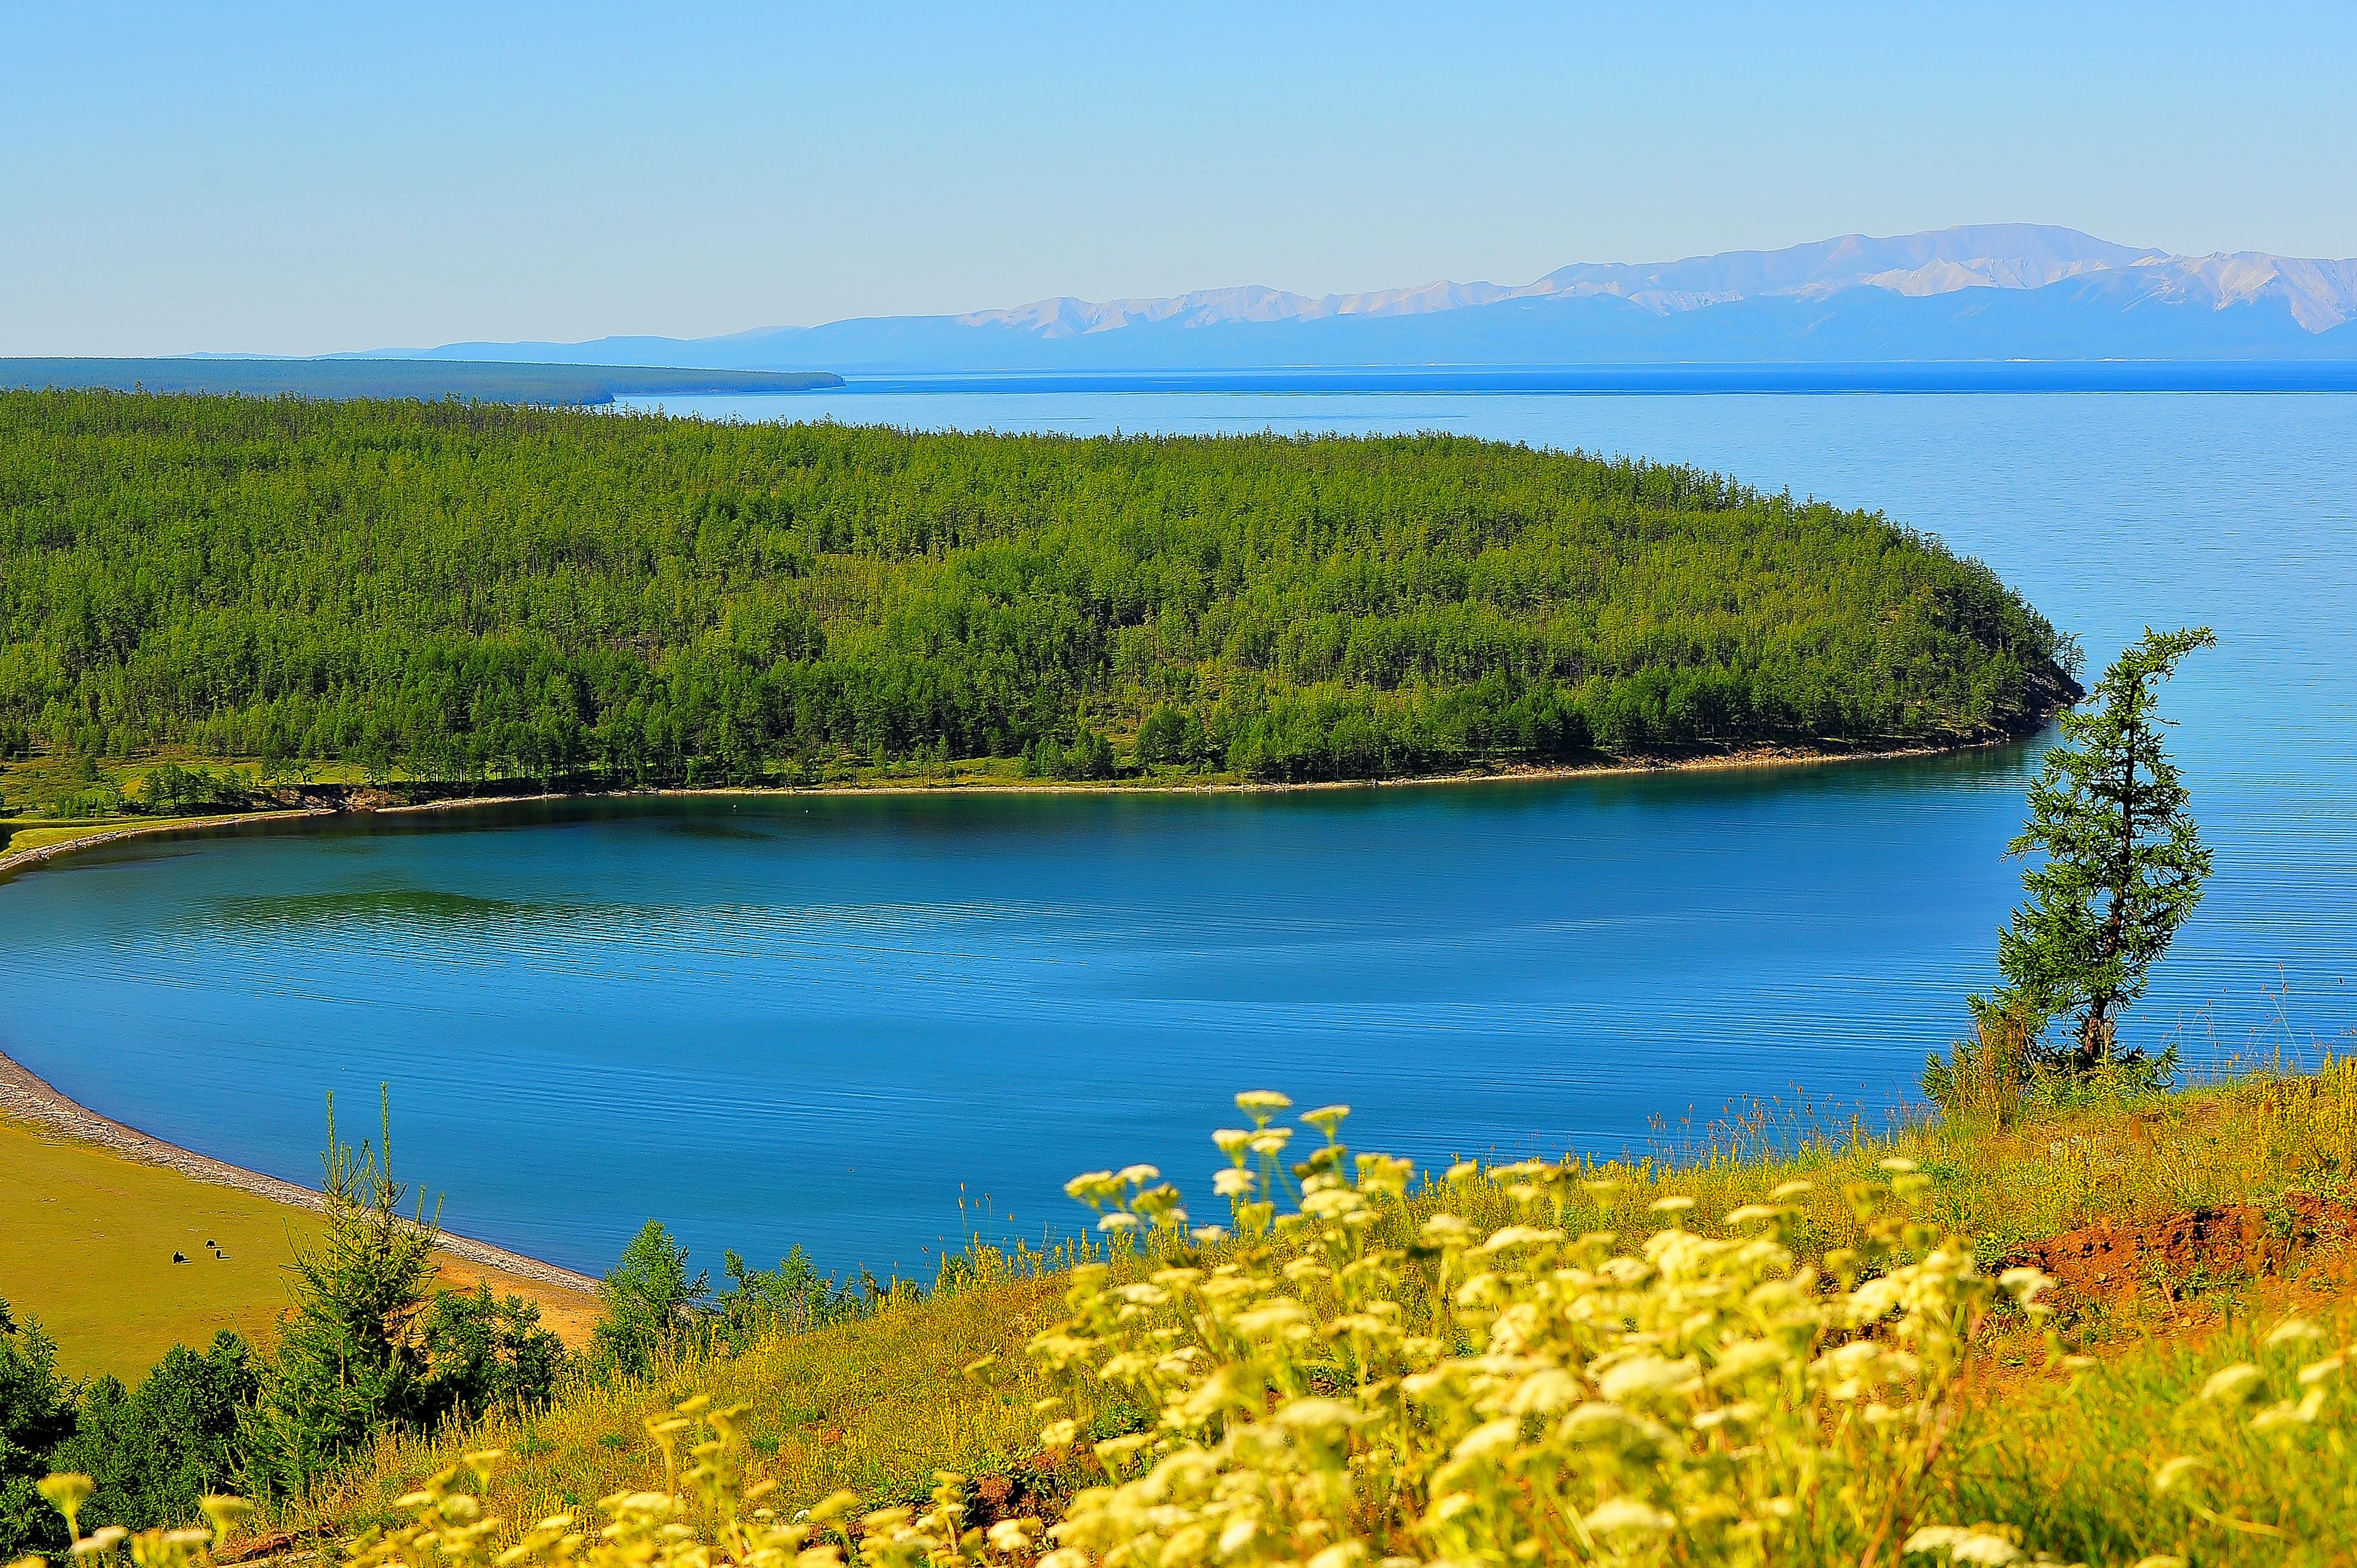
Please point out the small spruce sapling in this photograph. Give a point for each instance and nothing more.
(651, 1307)
(37, 1412)
(348, 1362)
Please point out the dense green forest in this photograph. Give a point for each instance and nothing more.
(459, 591)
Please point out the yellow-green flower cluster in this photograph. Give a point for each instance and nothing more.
(705, 1517)
(187, 1548)
(2233, 1415)
(1550, 1390)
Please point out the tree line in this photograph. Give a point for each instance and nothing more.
(467, 592)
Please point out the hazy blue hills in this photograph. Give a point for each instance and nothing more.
(2000, 292)
(496, 381)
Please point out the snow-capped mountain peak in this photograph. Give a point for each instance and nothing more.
(1990, 292)
(2321, 294)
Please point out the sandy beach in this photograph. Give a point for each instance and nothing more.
(31, 1099)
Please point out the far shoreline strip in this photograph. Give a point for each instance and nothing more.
(1762, 756)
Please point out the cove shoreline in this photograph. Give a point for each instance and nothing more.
(30, 1097)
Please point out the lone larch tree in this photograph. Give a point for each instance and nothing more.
(2123, 863)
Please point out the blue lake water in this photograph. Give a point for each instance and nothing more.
(816, 1020)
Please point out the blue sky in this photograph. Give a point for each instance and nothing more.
(310, 178)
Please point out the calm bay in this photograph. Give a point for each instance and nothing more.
(816, 1020)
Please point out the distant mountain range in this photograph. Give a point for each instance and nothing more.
(1994, 292)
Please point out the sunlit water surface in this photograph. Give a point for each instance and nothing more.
(822, 1020)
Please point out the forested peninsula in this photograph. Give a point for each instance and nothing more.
(476, 380)
(462, 593)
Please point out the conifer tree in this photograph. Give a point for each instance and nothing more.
(651, 1305)
(37, 1412)
(350, 1361)
(156, 1450)
(2123, 863)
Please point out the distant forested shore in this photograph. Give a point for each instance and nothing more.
(476, 380)
(460, 592)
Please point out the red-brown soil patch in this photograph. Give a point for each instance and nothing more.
(1038, 1487)
(2183, 1251)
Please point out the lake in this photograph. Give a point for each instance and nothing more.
(823, 1021)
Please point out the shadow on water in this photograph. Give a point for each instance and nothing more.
(762, 817)
(408, 910)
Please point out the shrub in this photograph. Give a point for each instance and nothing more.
(92, 800)
(1990, 1081)
(792, 1298)
(1089, 756)
(170, 787)
(483, 1353)
(155, 1451)
(651, 1305)
(1987, 1080)
(1171, 735)
(37, 1412)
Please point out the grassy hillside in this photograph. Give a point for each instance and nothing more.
(455, 592)
(2178, 1230)
(89, 1237)
(2196, 1246)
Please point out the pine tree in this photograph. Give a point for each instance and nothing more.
(2123, 863)
(154, 1451)
(36, 1414)
(350, 1362)
(484, 1353)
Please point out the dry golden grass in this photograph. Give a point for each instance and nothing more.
(875, 1407)
(89, 1235)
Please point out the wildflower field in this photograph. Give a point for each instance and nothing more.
(2111, 1333)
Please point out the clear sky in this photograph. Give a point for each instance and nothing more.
(308, 177)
